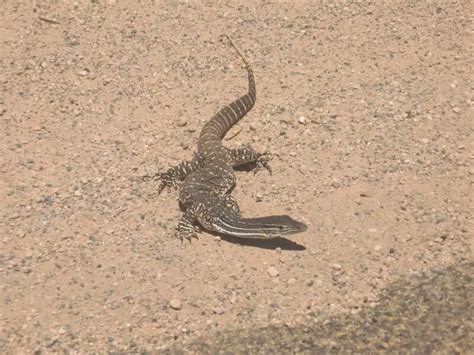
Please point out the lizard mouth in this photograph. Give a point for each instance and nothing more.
(291, 226)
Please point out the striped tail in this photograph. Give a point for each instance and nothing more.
(222, 121)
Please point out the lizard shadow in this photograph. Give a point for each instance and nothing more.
(248, 167)
(282, 243)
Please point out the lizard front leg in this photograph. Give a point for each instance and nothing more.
(172, 176)
(247, 154)
(186, 228)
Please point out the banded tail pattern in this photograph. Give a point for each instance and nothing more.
(222, 121)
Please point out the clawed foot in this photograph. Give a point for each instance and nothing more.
(263, 162)
(187, 233)
(167, 179)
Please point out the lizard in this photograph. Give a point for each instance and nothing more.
(207, 179)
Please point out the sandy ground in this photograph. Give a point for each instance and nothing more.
(366, 109)
(427, 313)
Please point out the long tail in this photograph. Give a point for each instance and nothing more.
(223, 120)
(258, 228)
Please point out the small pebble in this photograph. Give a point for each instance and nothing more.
(302, 120)
(335, 183)
(337, 266)
(175, 304)
(441, 239)
(219, 310)
(182, 122)
(273, 271)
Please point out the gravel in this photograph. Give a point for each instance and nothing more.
(111, 91)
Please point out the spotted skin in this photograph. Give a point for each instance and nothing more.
(238, 156)
(209, 178)
(244, 155)
(174, 175)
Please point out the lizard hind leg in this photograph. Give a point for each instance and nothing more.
(231, 203)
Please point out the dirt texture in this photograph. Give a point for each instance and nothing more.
(423, 314)
(366, 109)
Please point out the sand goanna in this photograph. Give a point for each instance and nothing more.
(209, 177)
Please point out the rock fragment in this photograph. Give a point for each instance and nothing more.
(273, 271)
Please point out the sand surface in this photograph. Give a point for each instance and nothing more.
(366, 110)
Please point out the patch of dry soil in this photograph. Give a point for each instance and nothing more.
(367, 110)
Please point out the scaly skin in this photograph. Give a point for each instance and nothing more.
(209, 177)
